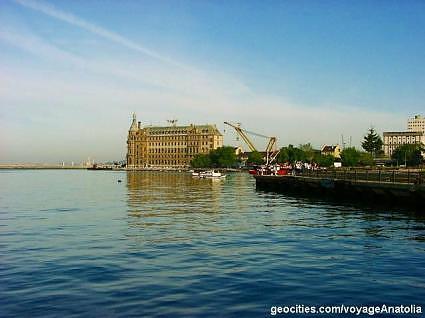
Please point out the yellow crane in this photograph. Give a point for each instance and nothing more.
(271, 152)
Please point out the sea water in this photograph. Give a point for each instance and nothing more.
(161, 244)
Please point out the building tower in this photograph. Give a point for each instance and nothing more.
(131, 143)
(416, 123)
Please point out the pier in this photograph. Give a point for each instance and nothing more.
(386, 186)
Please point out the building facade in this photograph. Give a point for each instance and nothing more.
(394, 139)
(415, 134)
(416, 123)
(170, 146)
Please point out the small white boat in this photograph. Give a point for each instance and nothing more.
(194, 173)
(209, 174)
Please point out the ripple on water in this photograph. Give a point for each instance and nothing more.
(169, 245)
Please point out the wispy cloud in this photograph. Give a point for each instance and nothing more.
(37, 46)
(95, 29)
(158, 87)
(134, 77)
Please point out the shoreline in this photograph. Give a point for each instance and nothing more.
(37, 167)
(60, 167)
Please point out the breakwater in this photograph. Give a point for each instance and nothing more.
(386, 186)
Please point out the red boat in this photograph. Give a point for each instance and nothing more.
(277, 170)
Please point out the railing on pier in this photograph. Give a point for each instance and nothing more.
(393, 176)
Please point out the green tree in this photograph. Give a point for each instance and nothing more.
(324, 161)
(223, 157)
(291, 154)
(411, 154)
(366, 159)
(350, 157)
(308, 151)
(255, 157)
(372, 142)
(284, 155)
(201, 161)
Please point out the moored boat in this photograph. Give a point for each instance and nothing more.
(277, 170)
(208, 174)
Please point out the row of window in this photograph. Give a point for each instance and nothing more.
(391, 147)
(179, 137)
(179, 143)
(168, 150)
(170, 137)
(398, 140)
(160, 162)
(167, 132)
(161, 135)
(194, 150)
(175, 132)
(173, 151)
(167, 144)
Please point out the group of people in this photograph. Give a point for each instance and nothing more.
(287, 168)
(299, 166)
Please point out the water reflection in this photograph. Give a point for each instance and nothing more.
(148, 191)
(172, 202)
(164, 244)
(351, 219)
(175, 206)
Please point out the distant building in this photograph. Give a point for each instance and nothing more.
(415, 134)
(334, 150)
(416, 123)
(170, 146)
(394, 139)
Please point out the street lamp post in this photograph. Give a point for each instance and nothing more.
(405, 157)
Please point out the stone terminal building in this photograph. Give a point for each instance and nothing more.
(169, 147)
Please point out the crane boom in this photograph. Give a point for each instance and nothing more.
(274, 155)
(241, 133)
(270, 149)
(271, 146)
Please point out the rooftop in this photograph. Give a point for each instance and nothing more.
(327, 148)
(403, 133)
(181, 129)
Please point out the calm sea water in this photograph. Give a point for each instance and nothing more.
(78, 243)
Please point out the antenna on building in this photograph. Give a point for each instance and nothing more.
(172, 122)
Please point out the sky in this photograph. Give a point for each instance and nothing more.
(73, 72)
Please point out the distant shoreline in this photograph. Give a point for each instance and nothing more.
(69, 167)
(38, 166)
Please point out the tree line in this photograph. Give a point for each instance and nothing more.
(224, 157)
(408, 154)
(306, 153)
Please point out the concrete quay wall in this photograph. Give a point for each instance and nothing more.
(405, 193)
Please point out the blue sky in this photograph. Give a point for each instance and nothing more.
(72, 72)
